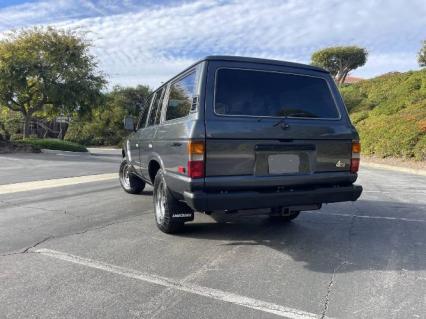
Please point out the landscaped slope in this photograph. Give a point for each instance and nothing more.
(389, 112)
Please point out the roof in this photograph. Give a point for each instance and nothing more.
(263, 61)
(246, 59)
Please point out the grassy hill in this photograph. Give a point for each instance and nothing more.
(389, 112)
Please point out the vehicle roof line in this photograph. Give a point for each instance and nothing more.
(261, 61)
(244, 59)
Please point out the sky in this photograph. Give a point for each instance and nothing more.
(148, 41)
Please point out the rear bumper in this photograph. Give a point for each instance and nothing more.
(202, 201)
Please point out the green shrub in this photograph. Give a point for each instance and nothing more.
(389, 112)
(54, 144)
(359, 116)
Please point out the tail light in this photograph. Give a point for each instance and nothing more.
(356, 151)
(196, 150)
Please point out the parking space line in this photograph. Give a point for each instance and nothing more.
(57, 182)
(367, 216)
(212, 293)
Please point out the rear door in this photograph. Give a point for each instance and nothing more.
(138, 136)
(146, 139)
(134, 139)
(274, 121)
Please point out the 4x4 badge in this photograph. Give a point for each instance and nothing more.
(340, 164)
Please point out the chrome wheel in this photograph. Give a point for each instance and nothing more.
(130, 182)
(125, 175)
(170, 214)
(160, 203)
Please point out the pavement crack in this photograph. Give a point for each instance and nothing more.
(28, 249)
(96, 228)
(9, 204)
(329, 289)
(36, 244)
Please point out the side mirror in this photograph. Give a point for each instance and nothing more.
(129, 123)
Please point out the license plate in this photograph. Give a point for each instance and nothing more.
(283, 163)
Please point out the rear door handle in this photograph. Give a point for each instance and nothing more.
(176, 144)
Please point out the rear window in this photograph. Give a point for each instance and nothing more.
(262, 93)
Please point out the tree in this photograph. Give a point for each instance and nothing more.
(130, 99)
(104, 124)
(4, 134)
(421, 57)
(47, 68)
(339, 61)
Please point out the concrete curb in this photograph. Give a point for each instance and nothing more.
(393, 168)
(47, 151)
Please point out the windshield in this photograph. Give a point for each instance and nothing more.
(262, 93)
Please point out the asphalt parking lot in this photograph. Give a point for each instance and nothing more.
(89, 250)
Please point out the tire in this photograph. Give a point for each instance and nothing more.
(170, 214)
(128, 181)
(279, 214)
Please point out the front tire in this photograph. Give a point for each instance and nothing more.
(128, 181)
(170, 214)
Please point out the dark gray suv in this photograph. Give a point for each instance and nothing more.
(232, 133)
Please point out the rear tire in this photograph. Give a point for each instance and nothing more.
(166, 206)
(128, 181)
(279, 214)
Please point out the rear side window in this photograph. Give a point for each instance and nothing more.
(154, 115)
(262, 93)
(180, 97)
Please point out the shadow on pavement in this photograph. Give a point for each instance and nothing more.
(327, 242)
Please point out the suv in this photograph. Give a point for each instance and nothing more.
(232, 133)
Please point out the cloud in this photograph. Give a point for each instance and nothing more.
(149, 43)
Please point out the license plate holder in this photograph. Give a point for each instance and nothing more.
(288, 163)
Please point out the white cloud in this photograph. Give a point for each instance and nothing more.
(379, 63)
(148, 44)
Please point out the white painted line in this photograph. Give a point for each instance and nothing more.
(382, 192)
(65, 154)
(393, 168)
(90, 149)
(11, 158)
(423, 192)
(216, 294)
(368, 217)
(58, 182)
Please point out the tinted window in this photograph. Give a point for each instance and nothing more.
(260, 93)
(180, 97)
(144, 113)
(154, 115)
